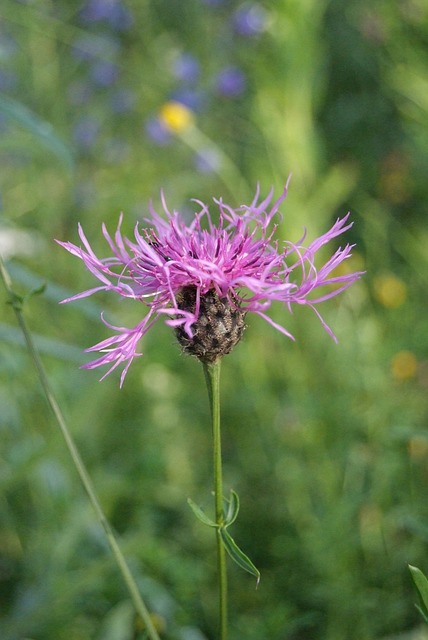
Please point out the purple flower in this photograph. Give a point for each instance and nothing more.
(186, 68)
(111, 11)
(89, 47)
(104, 73)
(189, 97)
(250, 19)
(176, 270)
(231, 82)
(207, 160)
(157, 132)
(86, 131)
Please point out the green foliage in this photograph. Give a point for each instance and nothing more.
(326, 444)
(237, 555)
(42, 131)
(421, 584)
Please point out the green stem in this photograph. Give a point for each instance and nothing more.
(228, 172)
(212, 377)
(140, 607)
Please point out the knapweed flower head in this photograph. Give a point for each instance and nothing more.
(205, 276)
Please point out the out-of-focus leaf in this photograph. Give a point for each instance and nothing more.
(41, 129)
(118, 623)
(47, 346)
(17, 301)
(421, 584)
(55, 292)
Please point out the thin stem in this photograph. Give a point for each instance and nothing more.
(140, 607)
(227, 170)
(212, 377)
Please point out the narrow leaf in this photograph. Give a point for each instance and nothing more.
(422, 612)
(200, 514)
(55, 292)
(38, 290)
(237, 555)
(34, 292)
(421, 584)
(233, 509)
(39, 128)
(46, 346)
(16, 301)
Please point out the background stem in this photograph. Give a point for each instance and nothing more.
(212, 377)
(140, 607)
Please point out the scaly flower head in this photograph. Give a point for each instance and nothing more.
(205, 276)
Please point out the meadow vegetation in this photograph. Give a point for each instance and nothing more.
(103, 104)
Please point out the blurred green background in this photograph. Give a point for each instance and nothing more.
(103, 104)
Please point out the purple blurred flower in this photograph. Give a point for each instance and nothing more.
(207, 161)
(186, 68)
(191, 98)
(86, 131)
(236, 261)
(87, 47)
(111, 11)
(231, 82)
(96, 10)
(104, 73)
(250, 19)
(157, 132)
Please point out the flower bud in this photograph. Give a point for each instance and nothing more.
(218, 329)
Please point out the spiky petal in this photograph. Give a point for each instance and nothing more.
(236, 261)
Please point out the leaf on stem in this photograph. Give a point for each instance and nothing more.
(17, 301)
(232, 510)
(200, 514)
(421, 584)
(237, 555)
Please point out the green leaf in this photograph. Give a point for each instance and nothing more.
(237, 555)
(46, 346)
(422, 612)
(55, 292)
(421, 584)
(39, 128)
(200, 514)
(17, 301)
(37, 291)
(233, 509)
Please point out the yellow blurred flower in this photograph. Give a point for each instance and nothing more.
(404, 365)
(390, 290)
(418, 447)
(158, 621)
(394, 182)
(175, 116)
